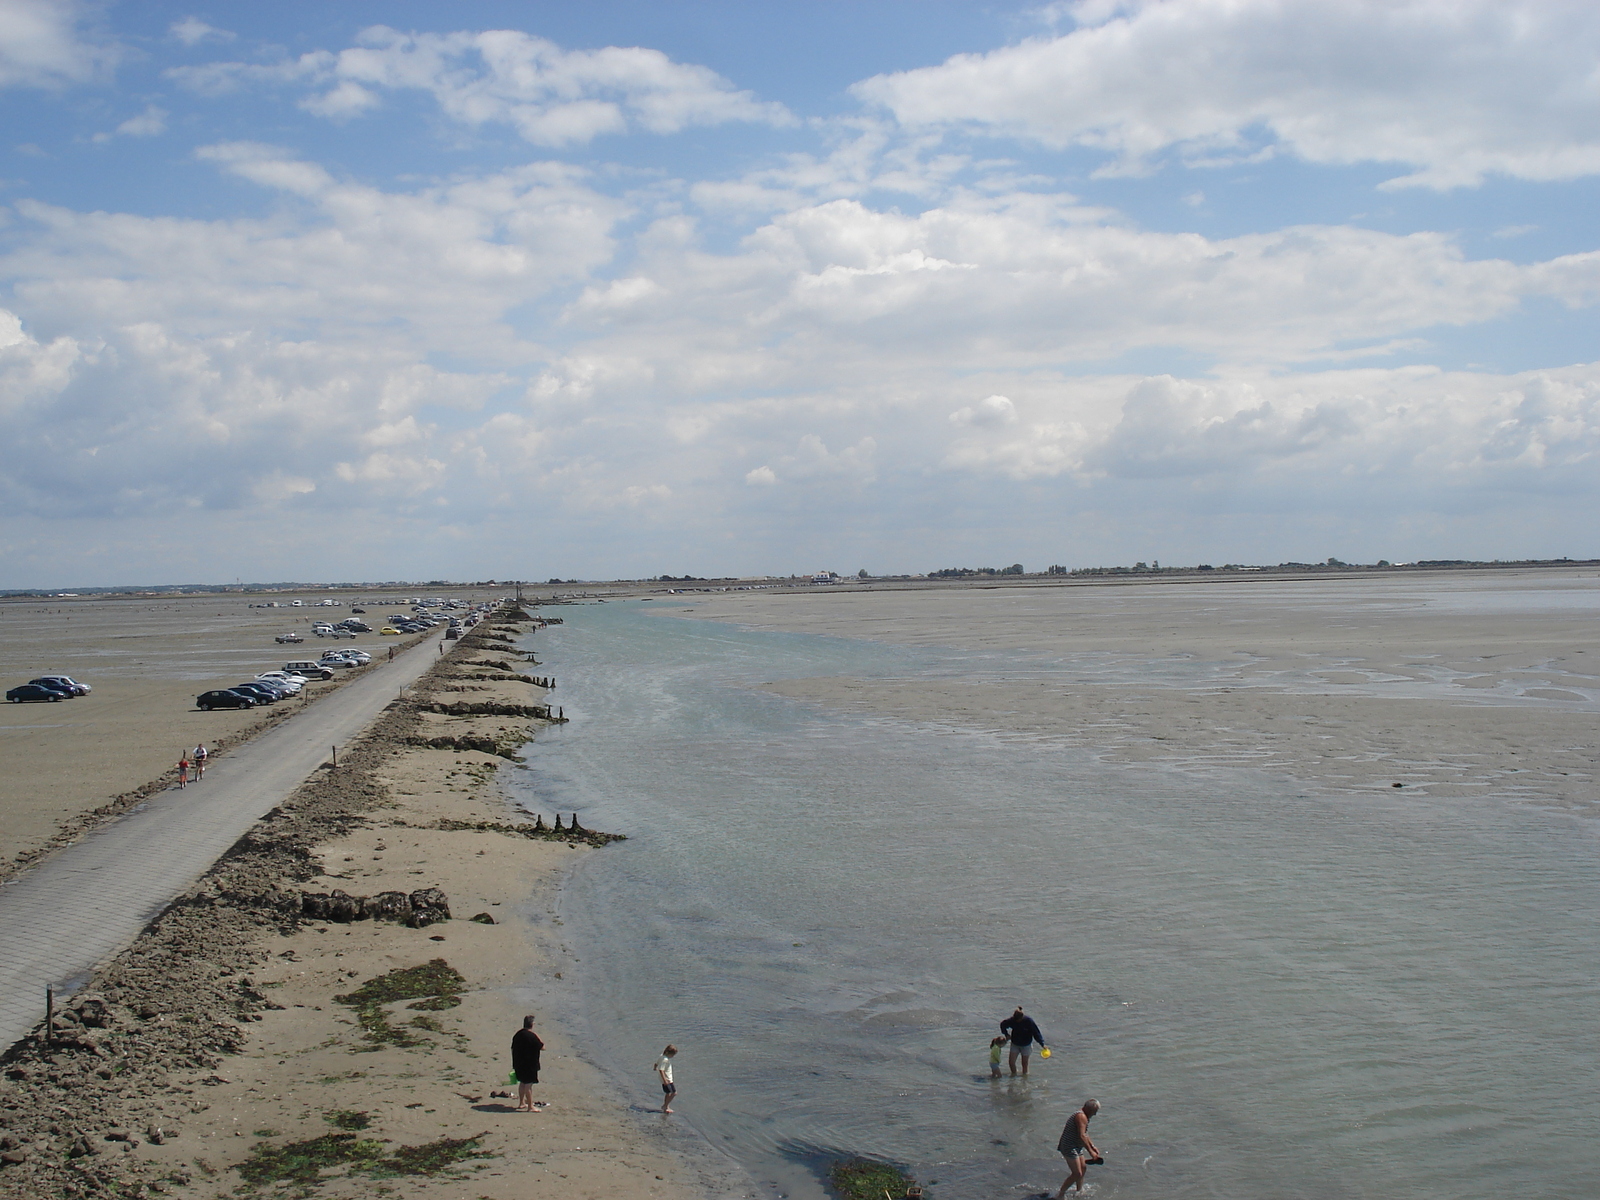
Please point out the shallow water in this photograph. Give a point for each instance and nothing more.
(1273, 994)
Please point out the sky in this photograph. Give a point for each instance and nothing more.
(368, 291)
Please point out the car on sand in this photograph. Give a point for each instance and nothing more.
(32, 691)
(224, 698)
(288, 637)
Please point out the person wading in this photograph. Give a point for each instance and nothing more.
(1077, 1148)
(1019, 1027)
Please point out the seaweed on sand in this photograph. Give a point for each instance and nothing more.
(432, 987)
(303, 1163)
(865, 1179)
(430, 1158)
(343, 1118)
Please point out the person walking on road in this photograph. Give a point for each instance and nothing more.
(201, 754)
(183, 771)
(525, 1049)
(669, 1090)
(1077, 1147)
(1022, 1031)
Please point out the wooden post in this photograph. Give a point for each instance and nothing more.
(49, 1014)
(336, 756)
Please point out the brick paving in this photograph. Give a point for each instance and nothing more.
(81, 907)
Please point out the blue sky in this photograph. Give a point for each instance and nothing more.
(383, 290)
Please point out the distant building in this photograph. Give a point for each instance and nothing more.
(824, 577)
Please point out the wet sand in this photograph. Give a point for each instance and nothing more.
(222, 1028)
(1452, 684)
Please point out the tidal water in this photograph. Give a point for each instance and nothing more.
(1273, 994)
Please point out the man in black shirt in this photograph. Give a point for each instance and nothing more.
(525, 1048)
(1019, 1027)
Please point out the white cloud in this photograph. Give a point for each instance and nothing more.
(42, 45)
(1455, 91)
(838, 360)
(549, 95)
(222, 78)
(191, 31)
(438, 267)
(149, 123)
(993, 410)
(1399, 431)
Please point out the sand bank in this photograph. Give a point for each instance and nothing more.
(220, 1044)
(1454, 684)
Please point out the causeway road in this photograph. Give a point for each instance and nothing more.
(81, 907)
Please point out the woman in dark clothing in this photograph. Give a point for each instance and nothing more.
(525, 1047)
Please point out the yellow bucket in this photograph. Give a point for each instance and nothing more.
(1044, 1052)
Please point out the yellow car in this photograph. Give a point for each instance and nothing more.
(389, 631)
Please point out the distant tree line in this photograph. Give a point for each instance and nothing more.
(965, 572)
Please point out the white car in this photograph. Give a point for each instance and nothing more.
(360, 657)
(293, 682)
(337, 664)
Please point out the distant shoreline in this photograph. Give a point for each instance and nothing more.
(577, 589)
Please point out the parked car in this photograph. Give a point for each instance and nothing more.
(451, 634)
(338, 664)
(265, 694)
(307, 669)
(355, 626)
(33, 691)
(388, 631)
(224, 698)
(293, 682)
(63, 683)
(288, 637)
(358, 610)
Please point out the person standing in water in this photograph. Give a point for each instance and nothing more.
(1019, 1027)
(525, 1049)
(1077, 1147)
(669, 1090)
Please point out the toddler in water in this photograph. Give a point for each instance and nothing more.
(997, 1048)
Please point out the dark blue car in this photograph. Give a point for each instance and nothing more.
(224, 698)
(32, 691)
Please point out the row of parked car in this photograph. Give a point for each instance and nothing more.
(49, 688)
(271, 686)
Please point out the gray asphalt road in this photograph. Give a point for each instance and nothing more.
(75, 911)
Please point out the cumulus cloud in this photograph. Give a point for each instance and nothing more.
(149, 123)
(1455, 92)
(191, 31)
(437, 267)
(839, 358)
(993, 410)
(43, 44)
(1396, 431)
(551, 96)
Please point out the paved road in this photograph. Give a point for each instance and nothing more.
(78, 909)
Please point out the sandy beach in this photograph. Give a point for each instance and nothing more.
(1449, 684)
(217, 1053)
